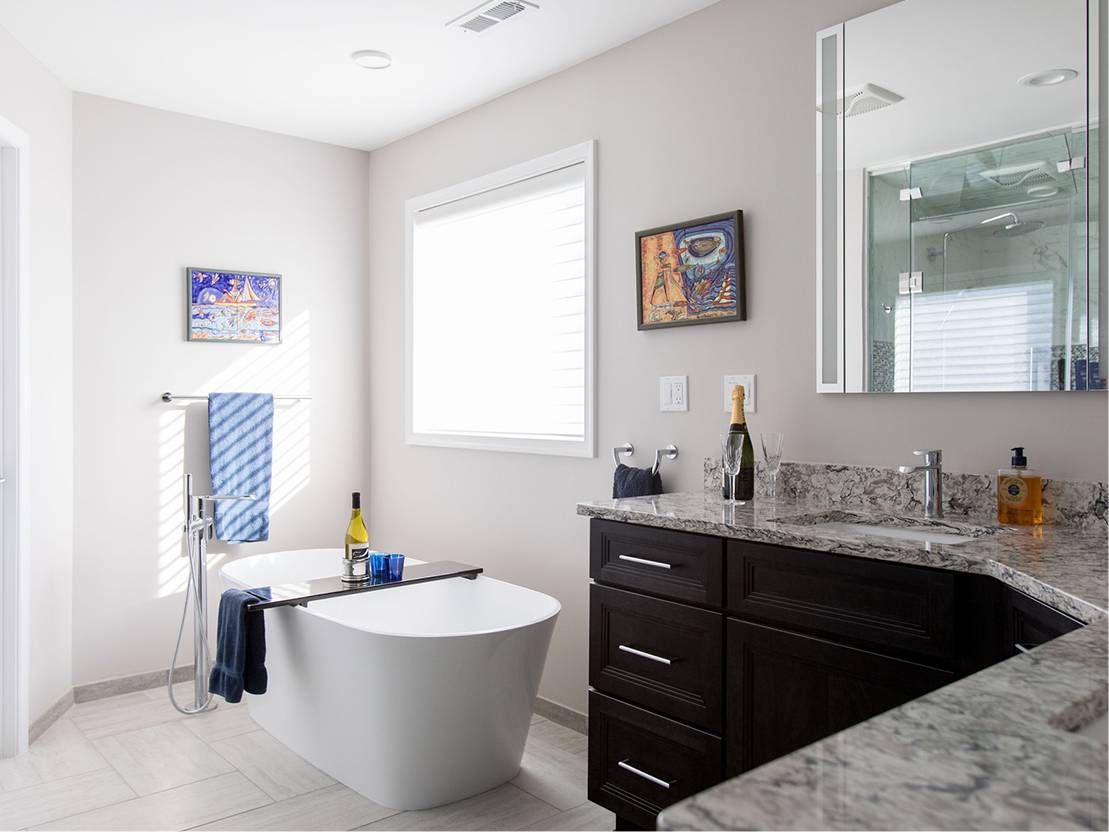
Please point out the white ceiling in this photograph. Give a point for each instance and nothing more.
(284, 65)
(957, 64)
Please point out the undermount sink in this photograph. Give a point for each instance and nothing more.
(924, 535)
(889, 526)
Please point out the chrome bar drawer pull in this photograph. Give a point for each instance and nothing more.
(658, 564)
(644, 655)
(638, 773)
(1022, 648)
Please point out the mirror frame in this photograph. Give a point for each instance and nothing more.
(832, 374)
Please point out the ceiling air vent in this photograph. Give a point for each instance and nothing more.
(487, 15)
(863, 99)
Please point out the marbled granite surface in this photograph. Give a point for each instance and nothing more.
(973, 496)
(978, 754)
(1061, 566)
(990, 751)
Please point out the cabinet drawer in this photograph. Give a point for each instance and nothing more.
(1030, 623)
(787, 690)
(678, 565)
(662, 655)
(871, 603)
(640, 763)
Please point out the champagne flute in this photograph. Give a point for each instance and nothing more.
(731, 457)
(772, 455)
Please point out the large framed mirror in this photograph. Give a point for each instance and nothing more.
(957, 210)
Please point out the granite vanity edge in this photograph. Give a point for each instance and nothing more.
(1085, 611)
(916, 761)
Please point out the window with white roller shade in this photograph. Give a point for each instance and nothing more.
(500, 310)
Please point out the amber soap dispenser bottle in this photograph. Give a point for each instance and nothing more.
(1020, 493)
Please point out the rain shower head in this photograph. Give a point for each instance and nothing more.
(1015, 228)
(1029, 173)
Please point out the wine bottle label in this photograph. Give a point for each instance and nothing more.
(1013, 491)
(358, 551)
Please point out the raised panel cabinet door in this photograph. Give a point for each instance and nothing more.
(785, 690)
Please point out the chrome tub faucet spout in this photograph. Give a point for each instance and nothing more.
(933, 480)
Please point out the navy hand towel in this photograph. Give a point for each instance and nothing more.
(635, 482)
(240, 448)
(240, 646)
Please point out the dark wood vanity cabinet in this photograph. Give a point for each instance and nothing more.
(786, 690)
(709, 657)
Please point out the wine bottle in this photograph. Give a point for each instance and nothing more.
(358, 540)
(745, 482)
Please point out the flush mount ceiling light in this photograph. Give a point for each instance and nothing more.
(1047, 78)
(1043, 191)
(372, 59)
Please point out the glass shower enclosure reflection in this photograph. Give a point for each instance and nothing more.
(976, 269)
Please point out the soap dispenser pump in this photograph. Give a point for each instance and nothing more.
(1020, 493)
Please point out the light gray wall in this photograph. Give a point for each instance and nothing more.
(40, 105)
(711, 113)
(155, 192)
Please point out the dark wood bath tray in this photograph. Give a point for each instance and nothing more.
(299, 594)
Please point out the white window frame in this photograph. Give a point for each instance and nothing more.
(584, 153)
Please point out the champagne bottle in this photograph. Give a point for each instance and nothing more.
(358, 540)
(745, 482)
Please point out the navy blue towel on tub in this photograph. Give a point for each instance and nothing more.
(240, 646)
(240, 448)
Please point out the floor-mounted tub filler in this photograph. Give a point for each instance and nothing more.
(415, 697)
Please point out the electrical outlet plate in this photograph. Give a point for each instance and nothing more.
(673, 393)
(750, 402)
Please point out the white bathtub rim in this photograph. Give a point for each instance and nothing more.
(318, 613)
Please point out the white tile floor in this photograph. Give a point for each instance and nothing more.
(132, 762)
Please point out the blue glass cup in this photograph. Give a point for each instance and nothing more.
(379, 566)
(396, 567)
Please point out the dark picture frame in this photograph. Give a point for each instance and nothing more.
(697, 285)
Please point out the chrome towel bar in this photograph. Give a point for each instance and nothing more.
(169, 398)
(627, 449)
(670, 452)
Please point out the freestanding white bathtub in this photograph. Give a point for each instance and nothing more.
(415, 696)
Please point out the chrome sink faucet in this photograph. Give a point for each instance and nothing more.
(933, 480)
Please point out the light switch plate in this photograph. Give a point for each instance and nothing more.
(673, 393)
(749, 401)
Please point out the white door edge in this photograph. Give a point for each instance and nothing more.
(14, 549)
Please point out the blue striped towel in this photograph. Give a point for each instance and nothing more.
(240, 448)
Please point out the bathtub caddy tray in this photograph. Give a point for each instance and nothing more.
(299, 594)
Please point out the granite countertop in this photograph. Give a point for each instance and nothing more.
(992, 750)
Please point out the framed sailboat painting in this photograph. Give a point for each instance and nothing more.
(691, 273)
(234, 306)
